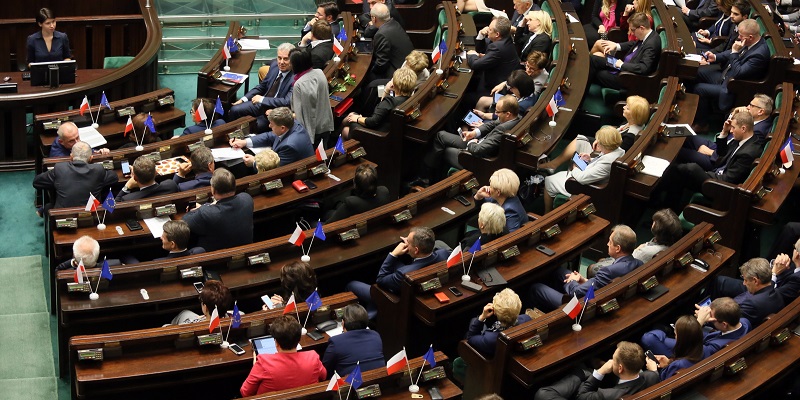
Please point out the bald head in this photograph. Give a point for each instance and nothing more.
(381, 13)
(81, 151)
(68, 135)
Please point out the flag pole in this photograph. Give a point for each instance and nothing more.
(585, 301)
(337, 385)
(98, 279)
(308, 314)
(471, 260)
(407, 365)
(351, 383)
(420, 372)
(229, 326)
(312, 237)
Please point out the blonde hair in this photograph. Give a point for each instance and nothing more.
(545, 23)
(609, 137)
(606, 8)
(506, 307)
(643, 6)
(404, 81)
(267, 160)
(492, 217)
(506, 181)
(417, 61)
(640, 109)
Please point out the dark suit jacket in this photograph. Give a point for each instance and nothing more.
(732, 37)
(713, 341)
(788, 286)
(489, 143)
(202, 126)
(335, 28)
(516, 215)
(741, 163)
(390, 46)
(590, 388)
(291, 146)
(645, 60)
(379, 120)
(321, 54)
(228, 223)
(472, 236)
(187, 252)
(57, 150)
(354, 204)
(483, 337)
(541, 43)
(37, 49)
(753, 64)
(200, 180)
(517, 18)
(708, 8)
(73, 181)
(164, 187)
(499, 60)
(393, 270)
(757, 306)
(371, 30)
(284, 96)
(604, 276)
(345, 350)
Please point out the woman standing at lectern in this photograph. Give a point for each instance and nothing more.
(49, 44)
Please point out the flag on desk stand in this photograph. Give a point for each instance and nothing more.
(786, 153)
(335, 383)
(341, 37)
(104, 102)
(109, 204)
(218, 108)
(226, 52)
(297, 237)
(354, 379)
(439, 51)
(200, 113)
(84, 105)
(213, 323)
(455, 257)
(129, 127)
(340, 146)
(559, 98)
(430, 358)
(232, 47)
(321, 155)
(291, 305)
(237, 318)
(397, 362)
(588, 296)
(319, 232)
(552, 107)
(80, 272)
(573, 308)
(105, 271)
(150, 124)
(92, 204)
(313, 302)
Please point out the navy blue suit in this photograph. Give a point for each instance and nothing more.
(755, 307)
(483, 337)
(292, 146)
(500, 59)
(713, 87)
(226, 224)
(37, 49)
(187, 252)
(158, 189)
(548, 299)
(202, 126)
(658, 342)
(345, 350)
(283, 98)
(689, 154)
(788, 286)
(674, 366)
(202, 179)
(57, 150)
(516, 216)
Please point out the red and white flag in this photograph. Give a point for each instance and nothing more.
(200, 113)
(786, 152)
(337, 46)
(437, 54)
(297, 237)
(80, 272)
(84, 105)
(455, 257)
(291, 305)
(226, 52)
(573, 308)
(397, 362)
(321, 155)
(92, 204)
(552, 107)
(128, 126)
(214, 322)
(335, 383)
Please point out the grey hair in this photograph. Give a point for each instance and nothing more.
(81, 151)
(86, 249)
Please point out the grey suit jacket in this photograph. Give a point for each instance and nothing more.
(310, 103)
(73, 181)
(489, 143)
(598, 170)
(228, 223)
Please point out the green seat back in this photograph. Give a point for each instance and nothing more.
(778, 100)
(771, 46)
(656, 17)
(116, 62)
(442, 17)
(662, 92)
(546, 8)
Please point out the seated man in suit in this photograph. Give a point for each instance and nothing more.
(519, 26)
(786, 274)
(143, 178)
(366, 195)
(626, 364)
(68, 135)
(355, 344)
(202, 163)
(483, 141)
(755, 292)
(84, 249)
(696, 149)
(390, 46)
(494, 57)
(733, 165)
(327, 12)
(639, 57)
(287, 137)
(273, 92)
(705, 8)
(747, 59)
(419, 247)
(201, 126)
(724, 316)
(228, 220)
(175, 240)
(621, 244)
(365, 19)
(319, 43)
(73, 181)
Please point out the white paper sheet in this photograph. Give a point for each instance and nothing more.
(572, 19)
(227, 153)
(254, 44)
(156, 225)
(654, 166)
(335, 331)
(694, 57)
(91, 136)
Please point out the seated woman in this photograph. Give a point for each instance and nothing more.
(491, 225)
(687, 352)
(605, 16)
(403, 81)
(540, 28)
(606, 146)
(502, 190)
(723, 26)
(298, 279)
(417, 61)
(213, 295)
(366, 195)
(535, 68)
(262, 162)
(519, 85)
(638, 6)
(484, 330)
(47, 44)
(141, 134)
(208, 107)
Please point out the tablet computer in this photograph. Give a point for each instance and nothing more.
(472, 118)
(264, 345)
(579, 161)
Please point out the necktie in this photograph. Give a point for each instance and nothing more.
(273, 90)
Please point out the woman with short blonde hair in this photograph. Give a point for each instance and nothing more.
(502, 190)
(482, 333)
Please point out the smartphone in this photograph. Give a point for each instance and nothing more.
(471, 118)
(198, 286)
(268, 301)
(454, 290)
(579, 161)
(315, 335)
(649, 354)
(336, 98)
(450, 95)
(191, 206)
(546, 250)
(310, 184)
(464, 70)
(126, 168)
(236, 349)
(435, 394)
(705, 302)
(461, 133)
(463, 200)
(133, 225)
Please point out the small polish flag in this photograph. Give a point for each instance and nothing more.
(291, 305)
(337, 46)
(200, 113)
(92, 204)
(786, 152)
(573, 308)
(397, 362)
(226, 52)
(335, 383)
(84, 105)
(297, 237)
(321, 155)
(455, 257)
(128, 126)
(214, 322)
(80, 272)
(552, 107)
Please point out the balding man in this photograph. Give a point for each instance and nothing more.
(142, 183)
(390, 46)
(287, 137)
(365, 19)
(67, 137)
(73, 181)
(494, 57)
(85, 250)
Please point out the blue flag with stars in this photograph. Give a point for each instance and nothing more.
(340, 146)
(105, 271)
(218, 107)
(109, 204)
(232, 45)
(237, 318)
(476, 247)
(104, 101)
(150, 124)
(429, 357)
(354, 379)
(559, 98)
(319, 233)
(313, 301)
(442, 48)
(342, 35)
(589, 294)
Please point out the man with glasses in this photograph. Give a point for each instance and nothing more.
(638, 56)
(755, 292)
(494, 56)
(697, 149)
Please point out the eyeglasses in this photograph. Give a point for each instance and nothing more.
(755, 105)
